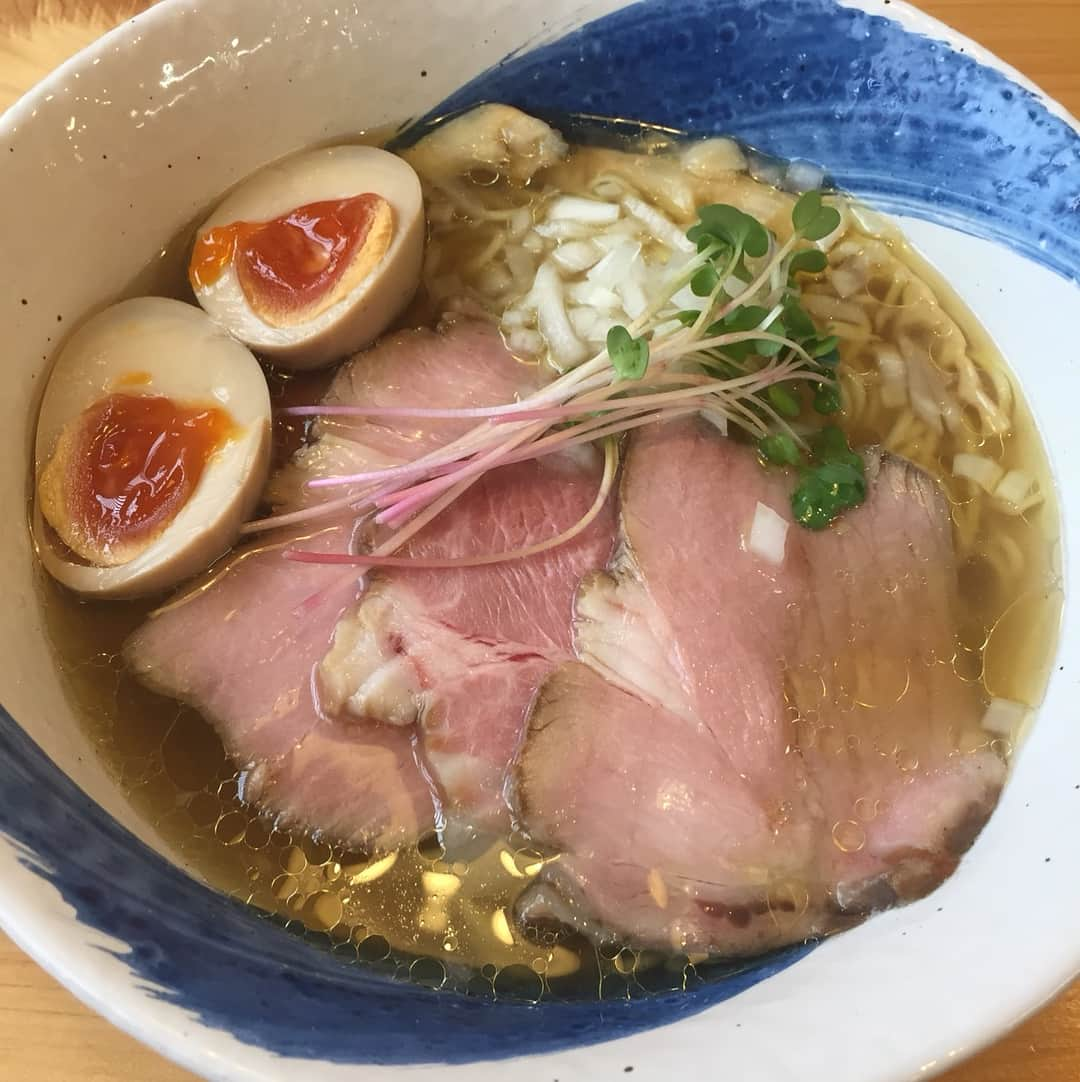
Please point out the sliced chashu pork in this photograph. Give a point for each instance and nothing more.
(246, 648)
(701, 789)
(461, 652)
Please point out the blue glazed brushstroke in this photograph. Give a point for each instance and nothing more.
(899, 119)
(243, 973)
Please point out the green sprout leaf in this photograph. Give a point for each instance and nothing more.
(812, 219)
(808, 261)
(784, 401)
(798, 322)
(629, 355)
(732, 227)
(833, 484)
(704, 281)
(827, 399)
(779, 450)
(747, 318)
(822, 347)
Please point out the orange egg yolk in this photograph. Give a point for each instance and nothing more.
(135, 462)
(289, 265)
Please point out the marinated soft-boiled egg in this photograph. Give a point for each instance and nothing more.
(153, 447)
(312, 258)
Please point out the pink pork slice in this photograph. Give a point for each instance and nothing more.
(244, 646)
(463, 651)
(709, 781)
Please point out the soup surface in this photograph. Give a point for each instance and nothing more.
(441, 913)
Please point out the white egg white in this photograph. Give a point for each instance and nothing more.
(173, 350)
(358, 318)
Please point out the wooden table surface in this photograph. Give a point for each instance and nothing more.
(48, 1036)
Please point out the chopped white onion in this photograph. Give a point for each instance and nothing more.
(595, 296)
(803, 176)
(768, 535)
(525, 343)
(985, 472)
(575, 208)
(533, 242)
(576, 256)
(565, 229)
(584, 321)
(894, 381)
(1004, 717)
(522, 264)
(687, 300)
(623, 231)
(848, 279)
(717, 419)
(659, 225)
(1018, 492)
(513, 318)
(868, 221)
(616, 266)
(712, 158)
(635, 302)
(566, 348)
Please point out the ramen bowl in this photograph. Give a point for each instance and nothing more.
(110, 158)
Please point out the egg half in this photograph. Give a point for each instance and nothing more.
(152, 449)
(312, 258)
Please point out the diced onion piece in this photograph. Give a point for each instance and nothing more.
(868, 221)
(848, 279)
(576, 256)
(616, 266)
(533, 242)
(712, 158)
(803, 176)
(1018, 491)
(514, 318)
(566, 348)
(1004, 717)
(686, 300)
(668, 327)
(525, 343)
(633, 297)
(599, 297)
(985, 472)
(659, 225)
(624, 230)
(564, 229)
(575, 208)
(894, 381)
(768, 535)
(719, 421)
(584, 321)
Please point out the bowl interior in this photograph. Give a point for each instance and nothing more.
(103, 166)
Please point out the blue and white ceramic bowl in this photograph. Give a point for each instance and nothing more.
(105, 161)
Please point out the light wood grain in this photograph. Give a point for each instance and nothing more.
(45, 1034)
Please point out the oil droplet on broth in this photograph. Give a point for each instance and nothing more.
(848, 836)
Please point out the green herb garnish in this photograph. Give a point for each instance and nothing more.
(629, 355)
(834, 481)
